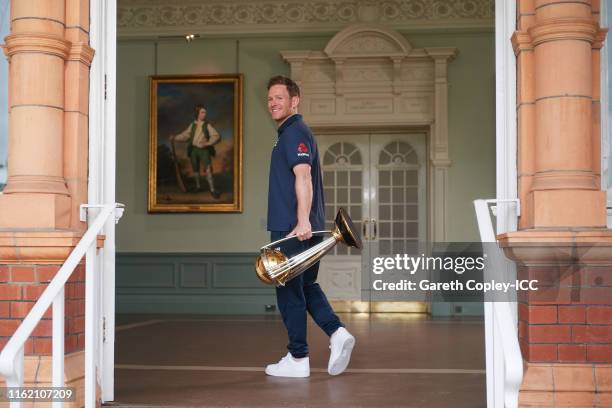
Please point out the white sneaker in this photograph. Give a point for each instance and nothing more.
(341, 345)
(289, 367)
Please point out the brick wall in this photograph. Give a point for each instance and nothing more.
(570, 319)
(20, 286)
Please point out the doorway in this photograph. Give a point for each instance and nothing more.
(381, 180)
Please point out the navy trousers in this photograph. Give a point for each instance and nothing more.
(300, 295)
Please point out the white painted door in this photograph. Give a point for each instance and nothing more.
(398, 210)
(345, 161)
(380, 179)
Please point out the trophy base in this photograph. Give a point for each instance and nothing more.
(262, 274)
(347, 230)
(273, 258)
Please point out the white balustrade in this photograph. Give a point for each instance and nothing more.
(503, 353)
(12, 355)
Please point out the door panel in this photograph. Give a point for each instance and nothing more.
(397, 205)
(345, 165)
(380, 179)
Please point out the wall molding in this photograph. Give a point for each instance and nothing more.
(158, 18)
(215, 283)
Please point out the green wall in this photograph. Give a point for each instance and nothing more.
(471, 134)
(190, 283)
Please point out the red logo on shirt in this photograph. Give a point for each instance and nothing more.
(302, 148)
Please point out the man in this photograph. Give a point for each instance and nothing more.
(295, 208)
(200, 137)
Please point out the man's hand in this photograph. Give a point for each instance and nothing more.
(302, 231)
(171, 138)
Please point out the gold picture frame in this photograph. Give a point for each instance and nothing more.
(195, 143)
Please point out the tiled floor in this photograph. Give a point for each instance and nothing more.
(400, 360)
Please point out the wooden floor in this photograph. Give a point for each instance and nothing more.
(400, 360)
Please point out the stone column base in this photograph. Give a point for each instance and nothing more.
(569, 208)
(33, 210)
(39, 247)
(566, 385)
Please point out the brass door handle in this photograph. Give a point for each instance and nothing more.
(365, 230)
(373, 221)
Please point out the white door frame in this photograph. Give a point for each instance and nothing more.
(102, 148)
(101, 183)
(505, 114)
(506, 182)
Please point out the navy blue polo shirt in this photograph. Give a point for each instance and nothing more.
(295, 145)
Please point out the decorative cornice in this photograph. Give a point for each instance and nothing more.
(586, 246)
(559, 29)
(564, 29)
(81, 52)
(521, 41)
(444, 162)
(152, 18)
(600, 38)
(442, 54)
(368, 40)
(36, 43)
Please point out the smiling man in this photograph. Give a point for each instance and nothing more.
(295, 208)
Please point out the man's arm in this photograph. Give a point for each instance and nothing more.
(303, 191)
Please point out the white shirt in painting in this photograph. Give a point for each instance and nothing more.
(199, 138)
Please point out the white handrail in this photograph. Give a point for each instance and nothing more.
(503, 326)
(12, 355)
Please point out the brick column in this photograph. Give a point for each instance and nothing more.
(36, 192)
(49, 57)
(569, 319)
(565, 328)
(49, 61)
(557, 46)
(20, 287)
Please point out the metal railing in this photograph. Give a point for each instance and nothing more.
(504, 359)
(12, 355)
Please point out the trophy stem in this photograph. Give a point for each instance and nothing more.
(303, 261)
(273, 267)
